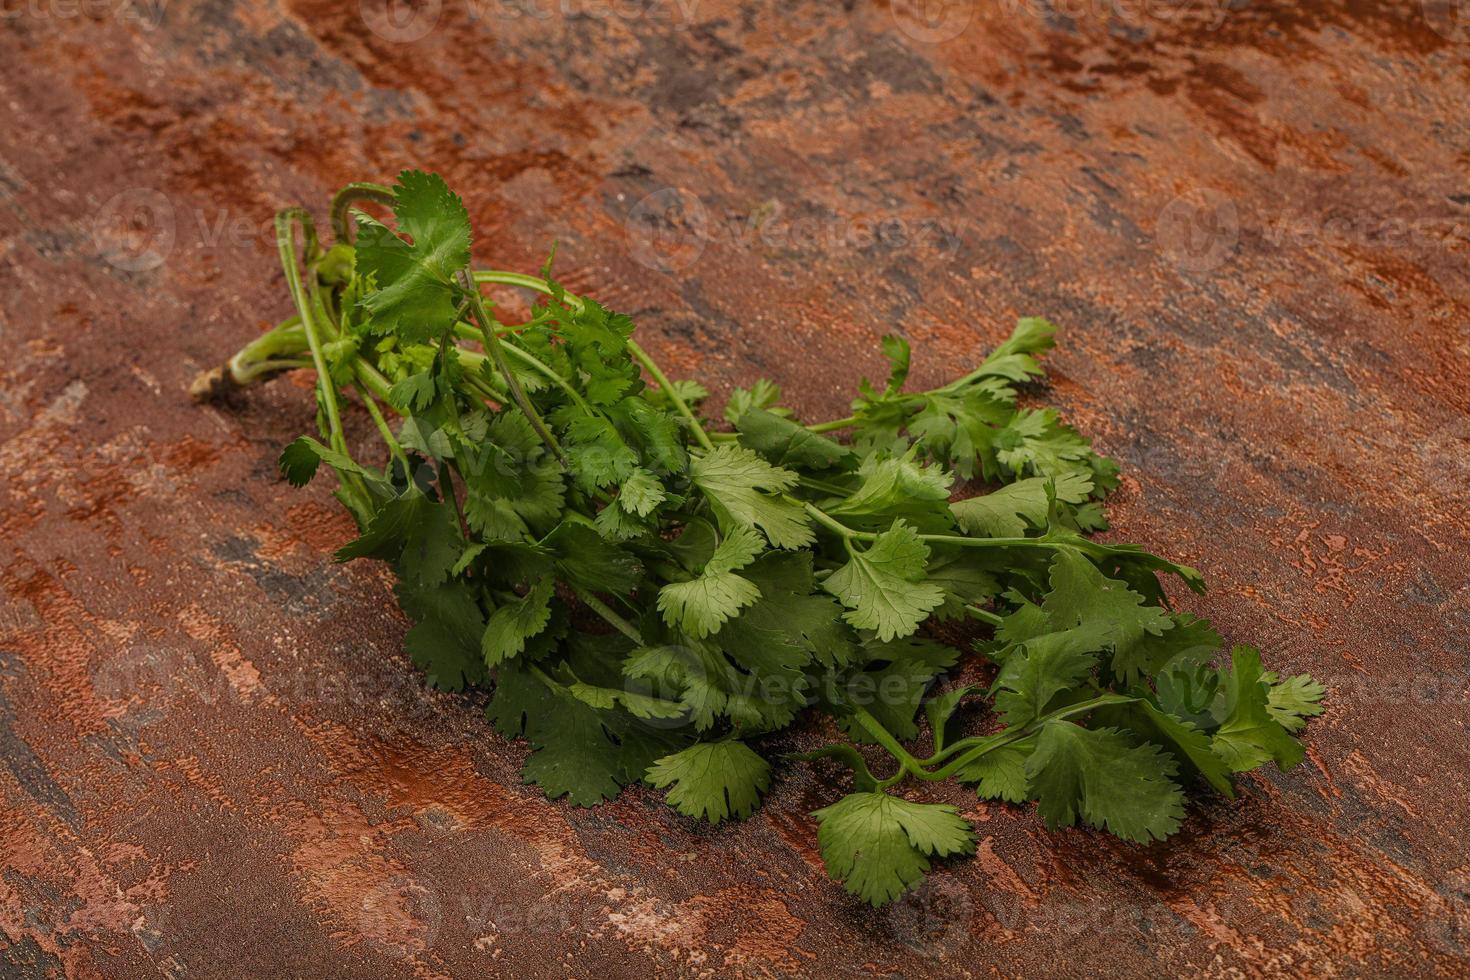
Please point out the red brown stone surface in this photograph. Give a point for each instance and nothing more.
(1249, 217)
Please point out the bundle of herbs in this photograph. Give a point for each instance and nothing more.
(649, 594)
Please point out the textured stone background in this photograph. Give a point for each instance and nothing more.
(1250, 217)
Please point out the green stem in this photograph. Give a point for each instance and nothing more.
(673, 393)
(606, 612)
(286, 245)
(831, 523)
(525, 282)
(358, 191)
(541, 367)
(494, 348)
(985, 615)
(851, 534)
(833, 425)
(382, 424)
(982, 744)
(907, 764)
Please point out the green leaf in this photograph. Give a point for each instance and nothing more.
(713, 780)
(763, 394)
(1292, 701)
(879, 845)
(1187, 743)
(596, 452)
(894, 488)
(581, 752)
(588, 561)
(415, 392)
(1105, 608)
(422, 536)
(702, 604)
(883, 586)
(896, 349)
(1189, 640)
(300, 459)
(785, 443)
(745, 491)
(893, 692)
(1014, 509)
(640, 706)
(414, 297)
(789, 607)
(1045, 666)
(1249, 736)
(1000, 774)
(641, 493)
(516, 622)
(1106, 781)
(444, 641)
(940, 708)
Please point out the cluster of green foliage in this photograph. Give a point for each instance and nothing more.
(649, 594)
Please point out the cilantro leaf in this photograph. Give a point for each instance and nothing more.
(641, 493)
(300, 459)
(713, 780)
(883, 586)
(763, 394)
(1012, 510)
(1000, 774)
(1107, 609)
(785, 443)
(1098, 776)
(879, 846)
(700, 605)
(1249, 736)
(444, 641)
(588, 561)
(1292, 701)
(514, 623)
(414, 295)
(745, 491)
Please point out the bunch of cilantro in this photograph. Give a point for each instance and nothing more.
(648, 596)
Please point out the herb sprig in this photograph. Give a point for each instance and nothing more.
(649, 596)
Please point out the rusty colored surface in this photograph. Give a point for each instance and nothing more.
(1250, 219)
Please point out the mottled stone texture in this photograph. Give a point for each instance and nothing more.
(1249, 217)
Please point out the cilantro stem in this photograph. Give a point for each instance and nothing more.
(673, 393)
(606, 612)
(979, 745)
(381, 423)
(531, 360)
(358, 191)
(831, 523)
(256, 357)
(286, 222)
(494, 348)
(985, 615)
(833, 425)
(524, 281)
(540, 285)
(851, 534)
(907, 764)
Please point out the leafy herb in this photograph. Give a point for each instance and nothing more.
(649, 596)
